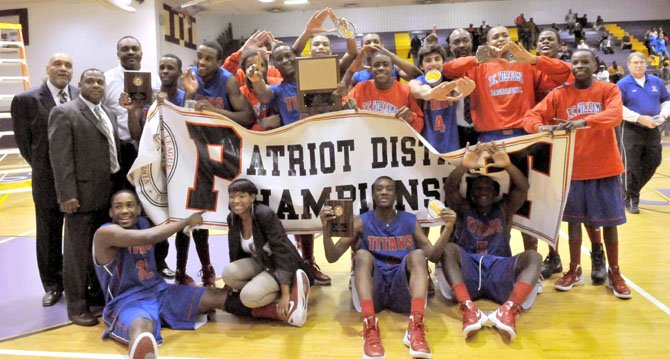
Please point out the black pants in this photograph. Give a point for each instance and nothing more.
(641, 156)
(79, 276)
(49, 245)
(467, 135)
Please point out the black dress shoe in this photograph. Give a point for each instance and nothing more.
(51, 297)
(84, 319)
(166, 273)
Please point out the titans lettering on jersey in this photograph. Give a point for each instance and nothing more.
(379, 106)
(505, 76)
(400, 243)
(584, 108)
(286, 102)
(214, 90)
(484, 229)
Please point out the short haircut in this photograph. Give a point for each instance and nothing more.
(279, 44)
(429, 49)
(242, 185)
(380, 53)
(111, 200)
(90, 70)
(551, 29)
(372, 33)
(216, 46)
(636, 54)
(118, 43)
(472, 181)
(382, 178)
(253, 53)
(459, 31)
(175, 57)
(591, 52)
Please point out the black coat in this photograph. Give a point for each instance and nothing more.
(267, 230)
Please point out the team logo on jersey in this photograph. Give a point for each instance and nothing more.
(505, 76)
(654, 88)
(584, 108)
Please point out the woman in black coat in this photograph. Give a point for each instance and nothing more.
(265, 267)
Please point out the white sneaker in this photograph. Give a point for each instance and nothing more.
(144, 347)
(297, 314)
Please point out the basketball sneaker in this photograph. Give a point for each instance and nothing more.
(570, 278)
(372, 339)
(320, 278)
(415, 338)
(473, 318)
(505, 319)
(208, 276)
(617, 284)
(297, 314)
(144, 347)
(552, 264)
(598, 267)
(180, 277)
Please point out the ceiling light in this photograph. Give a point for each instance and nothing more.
(295, 2)
(266, 1)
(123, 4)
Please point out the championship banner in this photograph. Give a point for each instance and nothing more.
(187, 159)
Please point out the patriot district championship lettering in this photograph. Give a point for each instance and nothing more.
(187, 159)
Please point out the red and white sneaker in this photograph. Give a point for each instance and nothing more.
(144, 347)
(505, 319)
(415, 338)
(473, 318)
(617, 284)
(570, 278)
(297, 314)
(372, 340)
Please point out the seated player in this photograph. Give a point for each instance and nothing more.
(595, 189)
(440, 127)
(385, 94)
(264, 264)
(389, 266)
(138, 301)
(479, 263)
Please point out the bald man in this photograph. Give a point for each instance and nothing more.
(30, 114)
(460, 45)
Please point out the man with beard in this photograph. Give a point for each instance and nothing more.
(84, 154)
(594, 197)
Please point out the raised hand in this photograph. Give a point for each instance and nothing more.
(448, 216)
(472, 154)
(253, 72)
(466, 86)
(443, 91)
(521, 55)
(326, 215)
(499, 155)
(125, 101)
(255, 41)
(315, 23)
(190, 83)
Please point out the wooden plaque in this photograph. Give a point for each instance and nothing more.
(343, 224)
(316, 80)
(138, 86)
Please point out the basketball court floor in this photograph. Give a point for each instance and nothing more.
(585, 322)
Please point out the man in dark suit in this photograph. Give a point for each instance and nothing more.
(83, 148)
(30, 114)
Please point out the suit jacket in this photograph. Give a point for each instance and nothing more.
(30, 117)
(273, 249)
(79, 154)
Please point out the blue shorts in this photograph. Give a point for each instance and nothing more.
(597, 203)
(391, 288)
(489, 136)
(175, 306)
(488, 276)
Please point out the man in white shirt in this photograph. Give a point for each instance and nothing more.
(129, 52)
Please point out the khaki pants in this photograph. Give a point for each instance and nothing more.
(257, 287)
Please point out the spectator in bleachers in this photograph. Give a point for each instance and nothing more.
(570, 20)
(579, 33)
(665, 72)
(616, 72)
(606, 45)
(602, 74)
(599, 23)
(582, 45)
(625, 43)
(533, 31)
(564, 52)
(583, 21)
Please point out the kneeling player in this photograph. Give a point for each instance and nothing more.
(480, 264)
(389, 266)
(138, 301)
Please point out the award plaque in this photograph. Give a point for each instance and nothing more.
(138, 86)
(316, 80)
(343, 224)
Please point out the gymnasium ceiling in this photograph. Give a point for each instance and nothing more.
(258, 7)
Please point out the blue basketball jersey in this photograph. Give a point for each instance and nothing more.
(132, 273)
(388, 243)
(285, 101)
(482, 234)
(179, 98)
(214, 90)
(440, 127)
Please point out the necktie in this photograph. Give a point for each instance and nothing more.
(62, 96)
(466, 110)
(113, 159)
